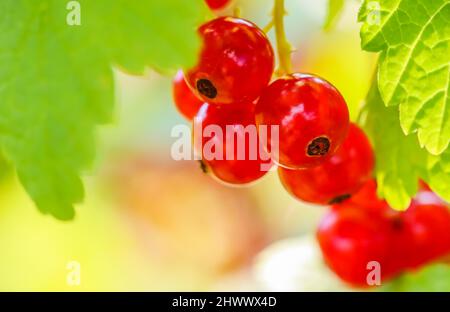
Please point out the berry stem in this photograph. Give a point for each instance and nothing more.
(237, 12)
(268, 27)
(283, 45)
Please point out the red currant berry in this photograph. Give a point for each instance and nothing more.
(419, 235)
(366, 198)
(217, 4)
(338, 177)
(400, 249)
(230, 145)
(429, 228)
(416, 236)
(186, 102)
(312, 117)
(235, 64)
(350, 238)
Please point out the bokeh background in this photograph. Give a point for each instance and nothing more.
(152, 223)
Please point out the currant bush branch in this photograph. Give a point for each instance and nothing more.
(284, 48)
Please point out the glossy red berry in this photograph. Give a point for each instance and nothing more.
(312, 117)
(429, 229)
(185, 100)
(229, 143)
(217, 4)
(367, 201)
(338, 177)
(350, 239)
(236, 62)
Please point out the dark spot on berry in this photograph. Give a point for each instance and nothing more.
(206, 87)
(339, 199)
(397, 223)
(203, 166)
(318, 147)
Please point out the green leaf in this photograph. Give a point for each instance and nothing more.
(400, 161)
(438, 174)
(334, 11)
(56, 81)
(414, 66)
(433, 278)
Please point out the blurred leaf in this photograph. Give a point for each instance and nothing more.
(400, 160)
(56, 81)
(334, 11)
(434, 278)
(438, 174)
(5, 167)
(414, 66)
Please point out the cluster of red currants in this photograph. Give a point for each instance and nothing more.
(322, 158)
(364, 229)
(231, 86)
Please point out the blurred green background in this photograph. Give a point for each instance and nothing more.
(151, 223)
